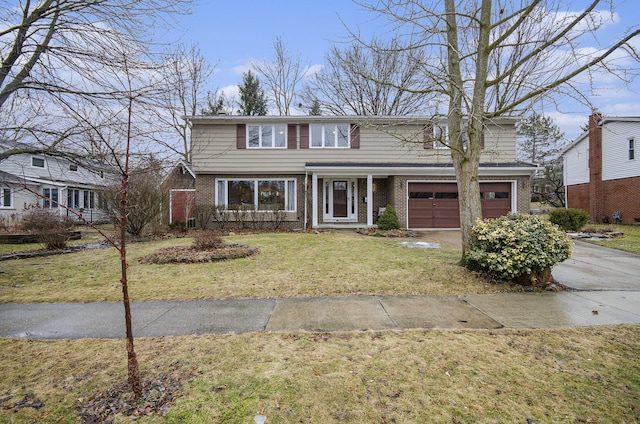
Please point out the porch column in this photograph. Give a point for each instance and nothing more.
(314, 200)
(369, 200)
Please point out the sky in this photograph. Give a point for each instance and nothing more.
(232, 34)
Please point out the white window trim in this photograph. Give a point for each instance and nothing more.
(222, 197)
(273, 137)
(324, 137)
(2, 194)
(631, 149)
(51, 201)
(44, 162)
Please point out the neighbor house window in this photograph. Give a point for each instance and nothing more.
(73, 167)
(632, 148)
(37, 162)
(266, 136)
(257, 194)
(5, 197)
(88, 199)
(73, 198)
(50, 197)
(330, 135)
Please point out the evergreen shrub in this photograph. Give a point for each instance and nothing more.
(389, 219)
(518, 247)
(569, 219)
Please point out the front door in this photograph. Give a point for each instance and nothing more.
(340, 200)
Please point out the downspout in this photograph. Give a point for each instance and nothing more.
(306, 198)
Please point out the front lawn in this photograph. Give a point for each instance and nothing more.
(287, 265)
(630, 242)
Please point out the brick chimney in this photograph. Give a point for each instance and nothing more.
(596, 193)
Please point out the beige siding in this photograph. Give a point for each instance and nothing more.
(214, 150)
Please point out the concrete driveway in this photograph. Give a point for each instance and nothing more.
(599, 268)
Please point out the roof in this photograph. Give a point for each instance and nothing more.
(305, 119)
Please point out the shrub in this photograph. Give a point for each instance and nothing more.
(203, 215)
(179, 226)
(52, 230)
(389, 219)
(207, 240)
(517, 246)
(569, 219)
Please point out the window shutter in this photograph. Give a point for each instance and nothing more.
(304, 136)
(428, 135)
(355, 136)
(292, 135)
(241, 136)
(482, 140)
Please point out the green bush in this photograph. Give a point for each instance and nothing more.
(389, 219)
(569, 219)
(517, 245)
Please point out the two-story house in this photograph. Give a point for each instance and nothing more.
(602, 170)
(54, 183)
(339, 171)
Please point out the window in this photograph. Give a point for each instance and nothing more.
(73, 198)
(50, 197)
(330, 136)
(37, 162)
(266, 136)
(73, 167)
(632, 148)
(88, 198)
(258, 194)
(5, 197)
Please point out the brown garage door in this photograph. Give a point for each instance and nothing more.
(435, 205)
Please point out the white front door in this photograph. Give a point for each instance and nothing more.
(340, 200)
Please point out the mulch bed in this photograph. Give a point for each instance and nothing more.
(182, 254)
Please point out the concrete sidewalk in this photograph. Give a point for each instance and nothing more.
(178, 318)
(607, 280)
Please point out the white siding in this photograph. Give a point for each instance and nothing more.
(576, 163)
(214, 150)
(615, 150)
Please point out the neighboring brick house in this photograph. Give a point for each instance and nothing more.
(339, 171)
(181, 184)
(602, 170)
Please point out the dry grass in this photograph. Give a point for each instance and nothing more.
(436, 376)
(630, 242)
(288, 265)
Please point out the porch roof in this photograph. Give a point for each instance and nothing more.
(423, 169)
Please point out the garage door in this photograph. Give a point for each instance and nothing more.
(435, 205)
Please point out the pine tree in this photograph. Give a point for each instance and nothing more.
(252, 98)
(540, 139)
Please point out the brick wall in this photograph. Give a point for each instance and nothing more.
(596, 193)
(622, 196)
(578, 196)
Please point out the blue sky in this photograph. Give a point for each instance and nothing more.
(233, 34)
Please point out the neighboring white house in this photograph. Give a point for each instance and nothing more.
(54, 183)
(602, 170)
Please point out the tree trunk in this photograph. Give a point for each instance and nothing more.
(469, 198)
(132, 361)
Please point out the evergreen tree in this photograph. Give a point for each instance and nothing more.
(315, 109)
(540, 139)
(252, 98)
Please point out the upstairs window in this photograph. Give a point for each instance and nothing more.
(73, 167)
(632, 148)
(330, 136)
(5, 197)
(37, 162)
(266, 136)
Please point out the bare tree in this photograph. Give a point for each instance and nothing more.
(375, 79)
(282, 75)
(186, 73)
(498, 58)
(61, 49)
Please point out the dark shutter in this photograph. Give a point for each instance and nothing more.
(292, 135)
(355, 136)
(241, 136)
(428, 135)
(304, 136)
(482, 140)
